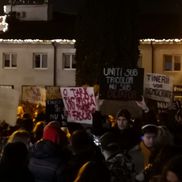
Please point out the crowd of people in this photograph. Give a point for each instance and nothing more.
(119, 149)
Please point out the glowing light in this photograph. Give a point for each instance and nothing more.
(3, 24)
(37, 41)
(161, 41)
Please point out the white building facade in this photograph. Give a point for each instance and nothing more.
(41, 63)
(164, 57)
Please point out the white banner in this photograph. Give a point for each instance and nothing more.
(9, 99)
(79, 103)
(34, 95)
(158, 87)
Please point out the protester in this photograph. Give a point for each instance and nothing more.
(120, 166)
(14, 164)
(142, 152)
(126, 133)
(93, 171)
(167, 152)
(84, 150)
(20, 136)
(37, 132)
(49, 155)
(173, 171)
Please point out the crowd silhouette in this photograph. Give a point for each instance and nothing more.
(113, 149)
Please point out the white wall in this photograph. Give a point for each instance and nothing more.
(160, 49)
(32, 12)
(24, 74)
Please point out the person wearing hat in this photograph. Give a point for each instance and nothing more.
(48, 156)
(142, 152)
(125, 130)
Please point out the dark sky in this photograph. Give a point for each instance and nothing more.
(154, 6)
(64, 6)
(67, 6)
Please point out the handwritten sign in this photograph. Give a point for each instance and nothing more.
(34, 94)
(158, 87)
(79, 103)
(54, 109)
(53, 92)
(9, 99)
(121, 83)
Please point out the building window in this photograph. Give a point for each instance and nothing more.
(9, 60)
(69, 61)
(177, 63)
(20, 14)
(39, 60)
(172, 62)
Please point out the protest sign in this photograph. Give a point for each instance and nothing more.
(34, 95)
(54, 110)
(53, 92)
(121, 83)
(9, 99)
(158, 87)
(79, 103)
(177, 92)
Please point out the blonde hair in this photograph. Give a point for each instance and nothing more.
(20, 136)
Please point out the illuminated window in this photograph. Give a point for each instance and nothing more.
(172, 62)
(69, 61)
(7, 86)
(9, 60)
(39, 60)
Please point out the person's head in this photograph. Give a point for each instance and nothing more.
(26, 123)
(93, 171)
(149, 135)
(38, 130)
(109, 144)
(123, 119)
(20, 136)
(15, 155)
(81, 141)
(172, 172)
(53, 133)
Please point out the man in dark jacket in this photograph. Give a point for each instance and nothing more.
(47, 155)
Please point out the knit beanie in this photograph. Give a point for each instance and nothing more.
(52, 132)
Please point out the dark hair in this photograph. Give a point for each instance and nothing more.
(174, 165)
(38, 130)
(15, 154)
(94, 171)
(81, 141)
(109, 141)
(125, 113)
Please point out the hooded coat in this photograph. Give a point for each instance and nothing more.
(46, 161)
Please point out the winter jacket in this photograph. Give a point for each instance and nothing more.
(46, 161)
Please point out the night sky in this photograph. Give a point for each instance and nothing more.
(64, 6)
(154, 6)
